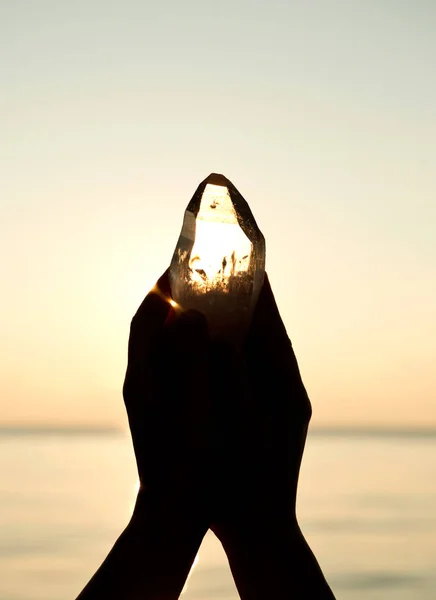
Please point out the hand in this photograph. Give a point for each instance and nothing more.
(231, 425)
(265, 412)
(152, 558)
(218, 434)
(164, 390)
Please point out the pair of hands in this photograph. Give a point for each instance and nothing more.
(218, 434)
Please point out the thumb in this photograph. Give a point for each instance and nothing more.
(272, 359)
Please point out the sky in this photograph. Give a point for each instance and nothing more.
(322, 113)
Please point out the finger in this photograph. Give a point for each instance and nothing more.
(268, 341)
(189, 329)
(162, 401)
(145, 331)
(149, 320)
(267, 322)
(272, 363)
(161, 289)
(183, 377)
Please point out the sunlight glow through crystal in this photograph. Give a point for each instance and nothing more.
(221, 249)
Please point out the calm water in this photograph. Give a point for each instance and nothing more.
(366, 504)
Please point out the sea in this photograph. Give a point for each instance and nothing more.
(366, 504)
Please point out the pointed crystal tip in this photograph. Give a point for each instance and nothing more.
(217, 179)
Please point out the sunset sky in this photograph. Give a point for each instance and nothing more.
(322, 113)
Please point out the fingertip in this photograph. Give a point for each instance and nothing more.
(266, 318)
(189, 330)
(195, 319)
(154, 304)
(163, 284)
(157, 305)
(266, 301)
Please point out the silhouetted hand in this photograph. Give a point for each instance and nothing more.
(264, 415)
(218, 433)
(152, 558)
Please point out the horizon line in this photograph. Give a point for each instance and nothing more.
(41, 429)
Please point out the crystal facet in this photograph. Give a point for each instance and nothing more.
(218, 265)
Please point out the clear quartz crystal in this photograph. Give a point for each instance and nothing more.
(218, 265)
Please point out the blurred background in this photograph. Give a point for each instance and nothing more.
(323, 115)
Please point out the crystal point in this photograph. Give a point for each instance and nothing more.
(218, 265)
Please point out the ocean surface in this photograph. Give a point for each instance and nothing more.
(367, 505)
